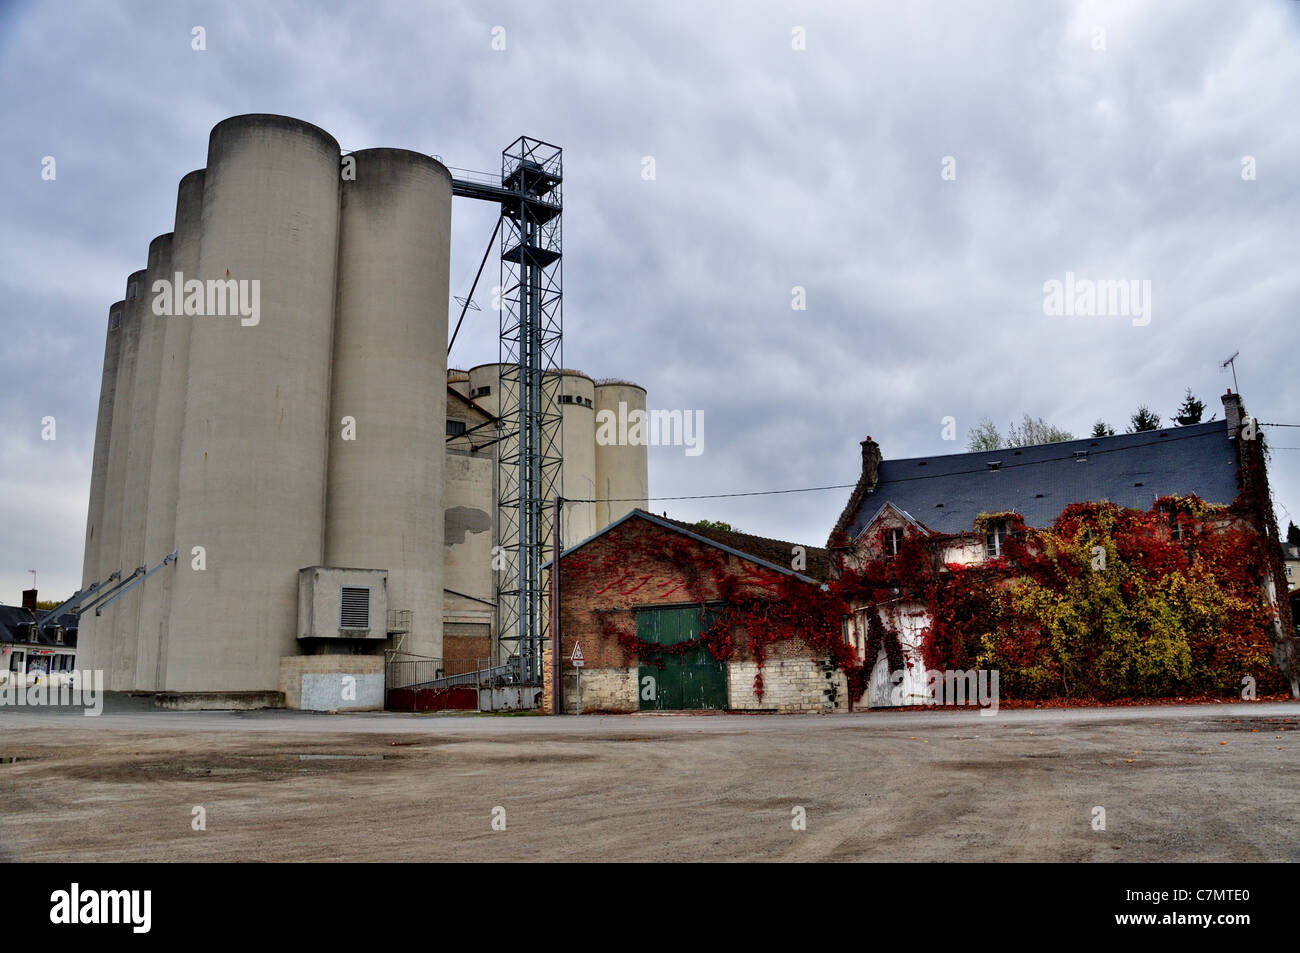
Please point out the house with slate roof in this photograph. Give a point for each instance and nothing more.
(962, 501)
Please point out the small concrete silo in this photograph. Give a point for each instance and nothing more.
(622, 469)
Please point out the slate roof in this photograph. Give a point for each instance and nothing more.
(947, 493)
(14, 621)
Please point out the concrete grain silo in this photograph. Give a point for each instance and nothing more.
(389, 395)
(622, 470)
(251, 486)
(458, 380)
(160, 524)
(577, 406)
(107, 628)
(484, 384)
(96, 568)
(139, 465)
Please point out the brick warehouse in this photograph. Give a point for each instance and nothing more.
(639, 578)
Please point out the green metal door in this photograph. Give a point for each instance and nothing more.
(693, 679)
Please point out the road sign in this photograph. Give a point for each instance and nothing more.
(576, 658)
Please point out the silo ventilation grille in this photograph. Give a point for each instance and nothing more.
(355, 608)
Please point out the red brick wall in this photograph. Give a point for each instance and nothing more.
(633, 565)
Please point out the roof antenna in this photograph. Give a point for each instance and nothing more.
(1231, 362)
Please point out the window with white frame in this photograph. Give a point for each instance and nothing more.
(893, 542)
(995, 539)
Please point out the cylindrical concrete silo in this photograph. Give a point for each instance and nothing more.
(160, 524)
(458, 380)
(622, 469)
(251, 485)
(484, 385)
(107, 629)
(577, 406)
(94, 567)
(384, 503)
(139, 465)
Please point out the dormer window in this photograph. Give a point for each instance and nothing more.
(995, 466)
(995, 539)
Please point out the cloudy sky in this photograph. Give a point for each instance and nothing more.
(1111, 140)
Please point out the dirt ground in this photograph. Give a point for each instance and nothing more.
(1191, 783)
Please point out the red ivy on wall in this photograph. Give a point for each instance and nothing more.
(1107, 602)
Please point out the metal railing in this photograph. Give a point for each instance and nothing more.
(412, 672)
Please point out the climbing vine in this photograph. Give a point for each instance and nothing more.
(1107, 602)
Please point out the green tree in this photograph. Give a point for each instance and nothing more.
(1033, 431)
(984, 436)
(1292, 533)
(1100, 429)
(716, 524)
(1190, 412)
(1145, 419)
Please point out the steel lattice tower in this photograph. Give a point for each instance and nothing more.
(530, 458)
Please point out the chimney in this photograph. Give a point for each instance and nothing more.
(1233, 413)
(29, 600)
(870, 463)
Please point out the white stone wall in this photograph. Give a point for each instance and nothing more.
(604, 689)
(789, 685)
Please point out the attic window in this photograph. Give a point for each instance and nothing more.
(994, 466)
(1138, 484)
(938, 506)
(995, 539)
(1038, 496)
(921, 464)
(893, 542)
(1081, 456)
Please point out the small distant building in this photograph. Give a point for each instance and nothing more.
(27, 649)
(1291, 565)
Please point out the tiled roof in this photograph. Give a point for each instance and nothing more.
(775, 551)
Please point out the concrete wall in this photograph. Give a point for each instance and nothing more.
(320, 603)
(390, 364)
(251, 487)
(328, 682)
